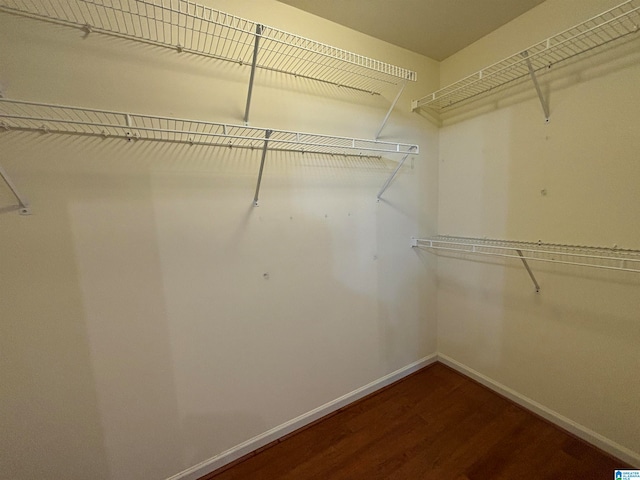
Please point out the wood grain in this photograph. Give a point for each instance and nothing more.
(434, 424)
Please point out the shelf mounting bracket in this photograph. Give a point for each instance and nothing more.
(23, 203)
(393, 104)
(267, 134)
(395, 172)
(256, 48)
(526, 265)
(532, 73)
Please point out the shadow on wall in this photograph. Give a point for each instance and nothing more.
(271, 309)
(406, 286)
(140, 310)
(51, 420)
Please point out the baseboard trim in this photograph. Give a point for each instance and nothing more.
(580, 431)
(286, 428)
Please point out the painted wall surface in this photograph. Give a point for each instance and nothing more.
(151, 317)
(506, 174)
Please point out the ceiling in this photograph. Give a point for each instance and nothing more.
(435, 28)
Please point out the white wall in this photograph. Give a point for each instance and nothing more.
(139, 335)
(573, 348)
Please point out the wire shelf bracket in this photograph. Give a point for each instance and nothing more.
(532, 73)
(23, 203)
(616, 23)
(49, 118)
(621, 260)
(267, 134)
(412, 150)
(185, 26)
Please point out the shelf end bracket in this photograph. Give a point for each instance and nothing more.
(526, 265)
(395, 172)
(256, 48)
(532, 73)
(267, 134)
(23, 203)
(393, 104)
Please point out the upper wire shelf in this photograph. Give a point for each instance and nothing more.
(24, 115)
(187, 26)
(611, 25)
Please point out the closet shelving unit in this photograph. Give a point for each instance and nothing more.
(190, 28)
(609, 26)
(48, 118)
(621, 260)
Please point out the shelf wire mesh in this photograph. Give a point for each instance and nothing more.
(187, 26)
(598, 31)
(626, 260)
(23, 115)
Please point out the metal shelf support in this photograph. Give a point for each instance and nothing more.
(267, 134)
(412, 149)
(532, 73)
(23, 203)
(256, 49)
(614, 259)
(526, 266)
(393, 104)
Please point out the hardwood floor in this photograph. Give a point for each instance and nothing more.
(434, 424)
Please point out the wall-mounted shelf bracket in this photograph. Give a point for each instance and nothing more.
(393, 104)
(532, 73)
(621, 260)
(23, 203)
(412, 150)
(267, 134)
(254, 62)
(526, 266)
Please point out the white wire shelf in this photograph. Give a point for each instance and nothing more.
(48, 118)
(24, 115)
(622, 260)
(186, 26)
(600, 30)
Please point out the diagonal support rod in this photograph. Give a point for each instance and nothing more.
(543, 102)
(526, 265)
(393, 104)
(395, 172)
(267, 134)
(256, 48)
(25, 208)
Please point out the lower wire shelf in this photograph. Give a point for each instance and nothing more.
(624, 260)
(25, 115)
(35, 116)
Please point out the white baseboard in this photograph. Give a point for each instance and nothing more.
(280, 431)
(580, 431)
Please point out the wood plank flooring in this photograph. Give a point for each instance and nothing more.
(434, 424)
